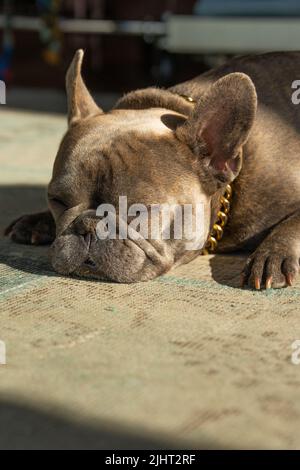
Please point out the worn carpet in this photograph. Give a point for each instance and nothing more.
(188, 360)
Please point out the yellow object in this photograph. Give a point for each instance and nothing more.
(218, 227)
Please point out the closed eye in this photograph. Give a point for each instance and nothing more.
(57, 201)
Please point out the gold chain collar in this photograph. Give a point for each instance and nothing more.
(217, 231)
(188, 98)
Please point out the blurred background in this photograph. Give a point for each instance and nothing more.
(131, 44)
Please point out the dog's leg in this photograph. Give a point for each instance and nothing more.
(275, 262)
(34, 229)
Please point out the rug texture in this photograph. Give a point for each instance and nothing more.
(188, 360)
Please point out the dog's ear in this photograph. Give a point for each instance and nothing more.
(220, 125)
(80, 102)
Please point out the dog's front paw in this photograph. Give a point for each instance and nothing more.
(34, 229)
(270, 268)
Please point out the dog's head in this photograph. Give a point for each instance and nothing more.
(156, 156)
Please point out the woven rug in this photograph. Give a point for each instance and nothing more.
(188, 360)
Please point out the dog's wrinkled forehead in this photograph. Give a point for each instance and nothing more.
(152, 121)
(130, 134)
(105, 129)
(122, 150)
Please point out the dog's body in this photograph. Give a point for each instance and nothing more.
(196, 149)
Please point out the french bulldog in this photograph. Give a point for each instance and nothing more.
(239, 126)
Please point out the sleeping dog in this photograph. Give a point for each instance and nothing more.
(228, 140)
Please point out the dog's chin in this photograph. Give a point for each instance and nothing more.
(91, 273)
